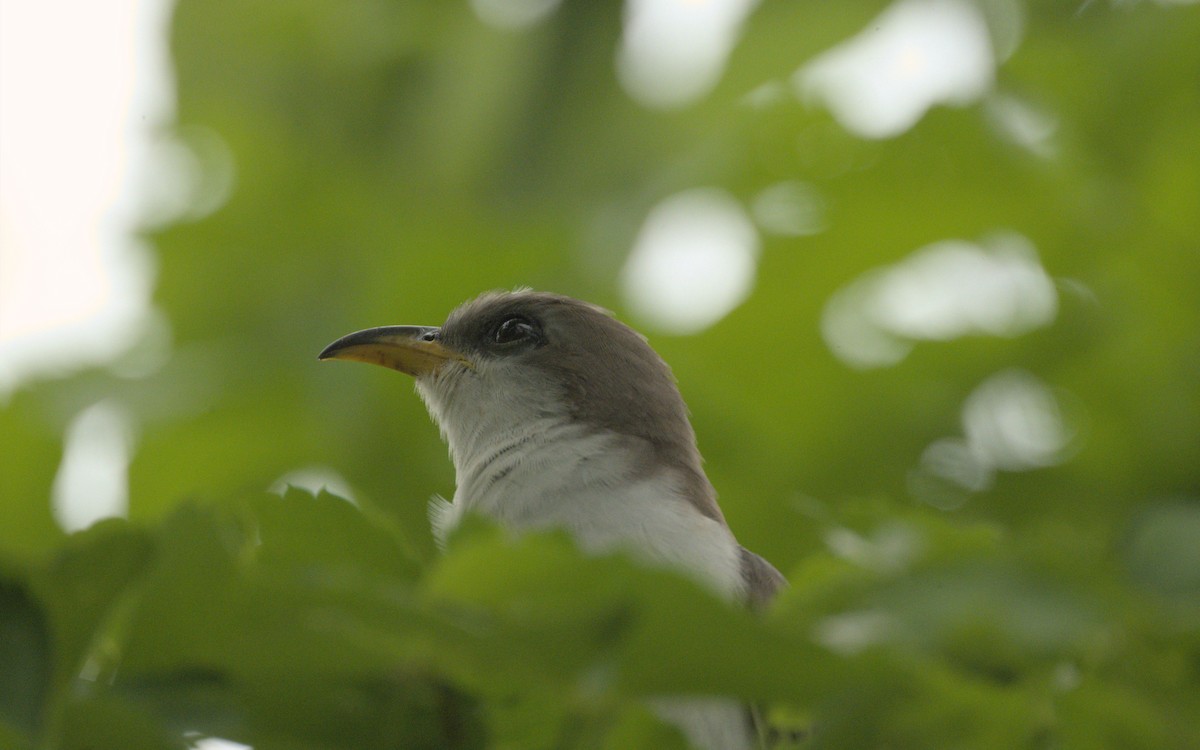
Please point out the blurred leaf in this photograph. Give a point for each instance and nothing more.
(33, 449)
(105, 721)
(604, 624)
(87, 589)
(25, 652)
(637, 727)
(1164, 552)
(325, 533)
(380, 162)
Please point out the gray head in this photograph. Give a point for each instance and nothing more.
(507, 357)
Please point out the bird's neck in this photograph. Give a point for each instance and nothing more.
(550, 471)
(511, 470)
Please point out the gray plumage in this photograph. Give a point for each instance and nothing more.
(558, 415)
(614, 380)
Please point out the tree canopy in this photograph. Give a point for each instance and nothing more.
(957, 402)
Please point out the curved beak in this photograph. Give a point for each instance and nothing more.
(413, 350)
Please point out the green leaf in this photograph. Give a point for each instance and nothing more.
(637, 727)
(606, 624)
(103, 721)
(26, 656)
(327, 535)
(86, 590)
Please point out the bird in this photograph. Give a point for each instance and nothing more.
(559, 416)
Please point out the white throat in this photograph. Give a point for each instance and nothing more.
(521, 460)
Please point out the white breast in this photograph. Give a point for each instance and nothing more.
(560, 476)
(520, 460)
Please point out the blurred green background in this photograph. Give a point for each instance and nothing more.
(990, 515)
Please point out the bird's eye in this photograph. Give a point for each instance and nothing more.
(513, 330)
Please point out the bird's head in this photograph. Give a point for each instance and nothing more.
(506, 359)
